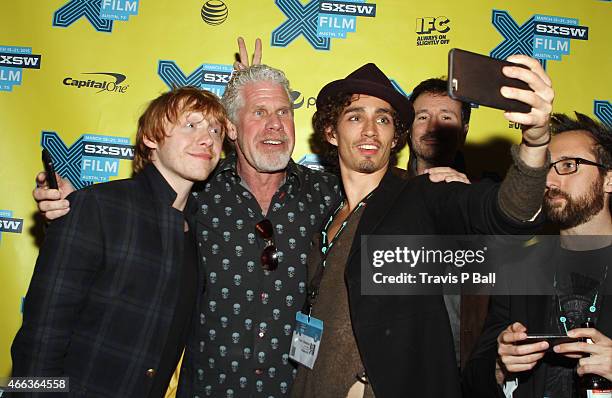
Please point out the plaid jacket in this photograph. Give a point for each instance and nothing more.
(105, 286)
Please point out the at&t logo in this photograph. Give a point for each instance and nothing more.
(214, 12)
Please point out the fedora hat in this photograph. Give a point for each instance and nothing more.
(372, 81)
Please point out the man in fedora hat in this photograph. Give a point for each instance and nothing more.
(398, 346)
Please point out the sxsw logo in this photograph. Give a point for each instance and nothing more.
(552, 36)
(100, 13)
(432, 30)
(211, 77)
(399, 88)
(319, 21)
(10, 224)
(92, 158)
(12, 62)
(544, 37)
(347, 8)
(603, 110)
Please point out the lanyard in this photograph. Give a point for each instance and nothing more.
(595, 304)
(315, 283)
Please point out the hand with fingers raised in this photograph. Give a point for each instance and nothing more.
(243, 60)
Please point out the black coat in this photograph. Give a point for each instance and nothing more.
(533, 311)
(104, 290)
(405, 342)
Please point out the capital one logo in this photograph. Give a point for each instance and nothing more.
(12, 62)
(211, 77)
(104, 84)
(544, 37)
(100, 13)
(319, 21)
(603, 110)
(10, 224)
(91, 158)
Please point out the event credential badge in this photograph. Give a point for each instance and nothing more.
(306, 339)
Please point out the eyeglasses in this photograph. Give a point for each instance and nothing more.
(269, 255)
(570, 165)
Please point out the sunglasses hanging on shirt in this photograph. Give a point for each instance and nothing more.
(269, 255)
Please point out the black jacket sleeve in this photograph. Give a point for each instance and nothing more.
(478, 379)
(66, 267)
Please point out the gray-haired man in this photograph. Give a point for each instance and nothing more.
(257, 213)
(242, 338)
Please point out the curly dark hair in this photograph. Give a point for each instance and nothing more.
(327, 117)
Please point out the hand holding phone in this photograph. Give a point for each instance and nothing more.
(49, 169)
(517, 357)
(521, 87)
(478, 79)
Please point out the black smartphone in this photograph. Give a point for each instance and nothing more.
(552, 339)
(49, 169)
(476, 78)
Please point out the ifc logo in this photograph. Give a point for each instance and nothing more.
(214, 12)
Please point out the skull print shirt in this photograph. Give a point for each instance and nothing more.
(241, 340)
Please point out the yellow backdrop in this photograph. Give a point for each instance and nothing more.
(75, 75)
